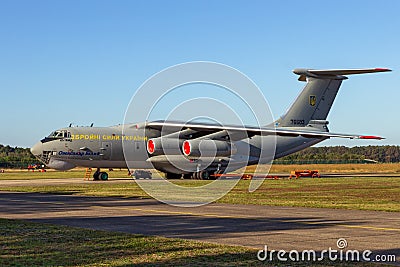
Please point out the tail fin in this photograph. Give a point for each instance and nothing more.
(316, 99)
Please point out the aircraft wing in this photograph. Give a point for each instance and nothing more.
(240, 132)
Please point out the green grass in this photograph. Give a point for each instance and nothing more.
(102, 189)
(380, 194)
(393, 168)
(51, 174)
(33, 244)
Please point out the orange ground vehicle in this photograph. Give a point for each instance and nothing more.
(247, 176)
(304, 173)
(33, 167)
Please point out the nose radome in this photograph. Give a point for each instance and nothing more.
(37, 149)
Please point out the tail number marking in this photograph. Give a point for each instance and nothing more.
(297, 122)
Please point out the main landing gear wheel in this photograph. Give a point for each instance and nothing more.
(195, 175)
(201, 175)
(204, 175)
(188, 176)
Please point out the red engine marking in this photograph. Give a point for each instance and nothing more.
(371, 137)
(150, 146)
(186, 148)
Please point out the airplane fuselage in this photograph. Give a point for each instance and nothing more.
(103, 147)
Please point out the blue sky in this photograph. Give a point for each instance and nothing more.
(81, 61)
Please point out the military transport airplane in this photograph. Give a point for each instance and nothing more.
(226, 147)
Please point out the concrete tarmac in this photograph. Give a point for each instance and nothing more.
(253, 226)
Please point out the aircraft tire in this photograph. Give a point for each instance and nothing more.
(103, 176)
(204, 175)
(96, 176)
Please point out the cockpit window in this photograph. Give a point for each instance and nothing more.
(59, 134)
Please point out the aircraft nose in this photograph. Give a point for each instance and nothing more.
(36, 150)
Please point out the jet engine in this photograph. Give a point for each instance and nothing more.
(208, 148)
(162, 146)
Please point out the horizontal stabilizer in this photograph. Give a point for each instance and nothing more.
(332, 73)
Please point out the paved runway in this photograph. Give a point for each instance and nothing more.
(246, 225)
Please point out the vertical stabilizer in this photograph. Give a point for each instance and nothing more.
(316, 99)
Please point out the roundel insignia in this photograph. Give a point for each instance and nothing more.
(313, 100)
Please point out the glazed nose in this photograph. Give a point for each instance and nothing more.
(36, 150)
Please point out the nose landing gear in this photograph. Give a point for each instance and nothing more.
(98, 175)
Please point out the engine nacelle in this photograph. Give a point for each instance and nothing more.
(162, 146)
(208, 148)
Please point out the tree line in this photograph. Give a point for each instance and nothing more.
(15, 157)
(382, 154)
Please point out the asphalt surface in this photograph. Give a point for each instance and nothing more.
(253, 226)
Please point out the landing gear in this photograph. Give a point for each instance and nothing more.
(103, 176)
(170, 175)
(188, 176)
(98, 175)
(201, 175)
(204, 175)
